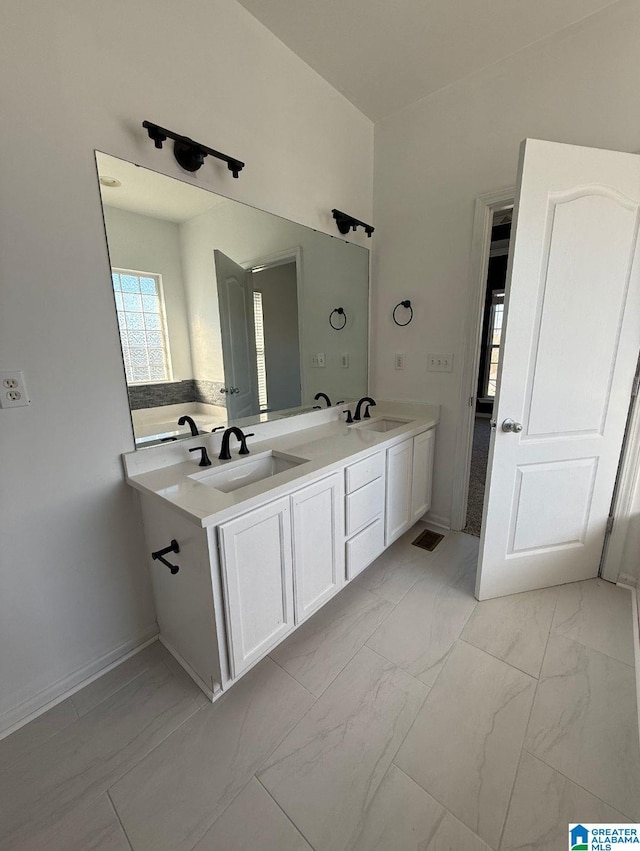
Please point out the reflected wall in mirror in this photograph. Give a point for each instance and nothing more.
(223, 309)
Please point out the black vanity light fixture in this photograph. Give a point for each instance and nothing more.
(334, 318)
(345, 223)
(406, 304)
(189, 154)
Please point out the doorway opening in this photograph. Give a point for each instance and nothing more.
(488, 360)
(275, 304)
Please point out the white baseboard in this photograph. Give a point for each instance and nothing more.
(437, 520)
(47, 698)
(635, 603)
(212, 695)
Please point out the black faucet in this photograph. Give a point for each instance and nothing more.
(194, 428)
(365, 400)
(325, 397)
(225, 455)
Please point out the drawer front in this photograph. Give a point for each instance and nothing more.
(361, 473)
(364, 548)
(363, 506)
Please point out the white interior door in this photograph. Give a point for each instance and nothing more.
(237, 331)
(570, 349)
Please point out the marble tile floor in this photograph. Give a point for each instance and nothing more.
(404, 715)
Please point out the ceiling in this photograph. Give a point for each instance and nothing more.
(386, 54)
(152, 194)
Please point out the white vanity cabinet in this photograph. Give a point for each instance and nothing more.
(409, 471)
(364, 512)
(318, 550)
(257, 577)
(248, 578)
(280, 563)
(422, 474)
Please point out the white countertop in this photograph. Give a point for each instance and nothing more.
(328, 446)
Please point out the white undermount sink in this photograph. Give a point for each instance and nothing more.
(248, 471)
(382, 424)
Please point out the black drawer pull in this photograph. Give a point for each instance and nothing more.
(172, 548)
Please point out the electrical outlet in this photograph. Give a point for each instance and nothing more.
(399, 360)
(13, 390)
(320, 357)
(344, 361)
(440, 363)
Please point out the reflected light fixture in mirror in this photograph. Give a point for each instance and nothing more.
(222, 307)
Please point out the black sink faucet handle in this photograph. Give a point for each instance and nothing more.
(244, 449)
(205, 461)
(349, 416)
(217, 428)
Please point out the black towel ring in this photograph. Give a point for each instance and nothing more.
(406, 303)
(340, 312)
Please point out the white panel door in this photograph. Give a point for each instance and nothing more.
(255, 554)
(422, 474)
(318, 543)
(398, 492)
(237, 331)
(570, 349)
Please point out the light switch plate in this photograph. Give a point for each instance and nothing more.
(13, 390)
(344, 360)
(440, 363)
(399, 360)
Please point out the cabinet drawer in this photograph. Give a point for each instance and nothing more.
(363, 506)
(363, 472)
(364, 547)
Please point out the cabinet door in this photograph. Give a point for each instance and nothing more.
(422, 474)
(257, 574)
(318, 544)
(398, 516)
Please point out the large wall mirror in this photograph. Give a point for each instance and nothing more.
(224, 310)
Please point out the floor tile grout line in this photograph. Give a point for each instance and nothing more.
(351, 658)
(499, 658)
(31, 749)
(155, 747)
(289, 674)
(526, 728)
(117, 815)
(577, 640)
(285, 813)
(115, 691)
(631, 818)
(439, 802)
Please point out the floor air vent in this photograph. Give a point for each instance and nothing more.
(427, 540)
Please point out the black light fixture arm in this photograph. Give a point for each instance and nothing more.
(189, 154)
(345, 223)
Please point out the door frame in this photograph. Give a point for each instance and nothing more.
(629, 476)
(611, 566)
(485, 207)
(281, 258)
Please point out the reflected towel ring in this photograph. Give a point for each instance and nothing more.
(406, 303)
(340, 312)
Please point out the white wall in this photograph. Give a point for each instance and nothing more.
(145, 244)
(434, 158)
(78, 76)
